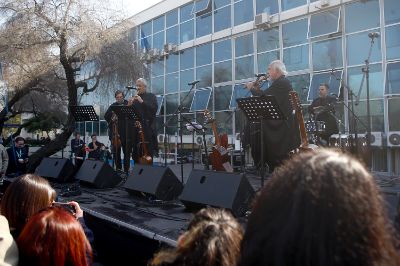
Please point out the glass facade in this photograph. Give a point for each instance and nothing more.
(326, 44)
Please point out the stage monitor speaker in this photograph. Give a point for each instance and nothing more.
(217, 189)
(98, 174)
(59, 169)
(160, 182)
(391, 196)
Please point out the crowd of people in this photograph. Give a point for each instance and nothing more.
(320, 207)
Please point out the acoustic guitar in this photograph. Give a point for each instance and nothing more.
(296, 106)
(145, 157)
(219, 156)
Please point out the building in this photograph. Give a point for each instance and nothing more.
(223, 43)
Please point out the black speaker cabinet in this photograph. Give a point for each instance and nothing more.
(391, 196)
(160, 182)
(218, 189)
(60, 169)
(98, 174)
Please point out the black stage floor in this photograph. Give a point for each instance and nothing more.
(130, 228)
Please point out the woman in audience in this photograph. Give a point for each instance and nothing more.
(25, 196)
(320, 208)
(213, 238)
(8, 247)
(53, 236)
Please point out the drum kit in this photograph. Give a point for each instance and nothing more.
(314, 131)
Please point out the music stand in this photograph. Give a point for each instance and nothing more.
(261, 108)
(83, 113)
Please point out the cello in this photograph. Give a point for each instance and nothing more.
(145, 157)
(116, 140)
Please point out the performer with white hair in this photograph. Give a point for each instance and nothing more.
(280, 136)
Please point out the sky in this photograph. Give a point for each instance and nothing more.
(132, 7)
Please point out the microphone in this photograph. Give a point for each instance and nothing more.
(259, 75)
(194, 82)
(373, 35)
(131, 88)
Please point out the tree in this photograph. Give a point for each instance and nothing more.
(49, 40)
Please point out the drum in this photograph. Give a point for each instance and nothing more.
(342, 141)
(315, 126)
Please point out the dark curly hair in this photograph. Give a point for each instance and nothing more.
(320, 208)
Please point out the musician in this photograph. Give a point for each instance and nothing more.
(78, 149)
(18, 155)
(94, 148)
(280, 136)
(125, 128)
(323, 109)
(145, 104)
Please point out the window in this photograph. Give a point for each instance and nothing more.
(357, 82)
(296, 58)
(223, 71)
(224, 122)
(172, 124)
(203, 54)
(202, 7)
(146, 29)
(186, 99)
(324, 23)
(357, 12)
(160, 101)
(157, 85)
(172, 63)
(158, 24)
(186, 12)
(333, 79)
(358, 48)
(239, 91)
(186, 77)
(392, 11)
(222, 50)
(267, 6)
(301, 84)
(244, 67)
(157, 68)
(243, 11)
(204, 74)
(327, 54)
(171, 83)
(172, 35)
(187, 31)
(295, 32)
(103, 128)
(171, 101)
(222, 18)
(393, 78)
(394, 111)
(221, 3)
(158, 40)
(187, 58)
(222, 97)
(376, 111)
(393, 42)
(204, 24)
(267, 40)
(288, 4)
(200, 99)
(172, 18)
(264, 59)
(244, 45)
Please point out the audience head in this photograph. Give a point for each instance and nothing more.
(25, 196)
(93, 137)
(53, 236)
(77, 135)
(213, 238)
(319, 208)
(19, 142)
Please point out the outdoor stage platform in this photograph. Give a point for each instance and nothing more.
(129, 229)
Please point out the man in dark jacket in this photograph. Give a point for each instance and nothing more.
(18, 155)
(280, 136)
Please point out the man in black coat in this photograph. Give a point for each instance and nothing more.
(18, 155)
(280, 136)
(125, 128)
(323, 109)
(145, 104)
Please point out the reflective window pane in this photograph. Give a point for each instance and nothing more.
(221, 3)
(186, 77)
(267, 40)
(331, 78)
(201, 99)
(324, 23)
(145, 42)
(356, 81)
(172, 35)
(288, 4)
(172, 18)
(222, 97)
(103, 128)
(204, 74)
(223, 71)
(224, 122)
(171, 83)
(146, 29)
(158, 40)
(222, 50)
(264, 59)
(301, 84)
(172, 63)
(358, 48)
(392, 11)
(203, 25)
(201, 5)
(171, 101)
(244, 45)
(357, 12)
(327, 54)
(295, 32)
(393, 42)
(267, 6)
(243, 12)
(187, 31)
(172, 125)
(187, 58)
(393, 78)
(394, 111)
(376, 111)
(222, 18)
(244, 67)
(239, 91)
(160, 104)
(296, 58)
(157, 68)
(187, 12)
(158, 24)
(203, 54)
(157, 85)
(186, 99)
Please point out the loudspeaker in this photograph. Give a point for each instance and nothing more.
(160, 182)
(391, 196)
(60, 169)
(98, 174)
(218, 189)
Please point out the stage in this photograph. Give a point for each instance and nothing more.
(128, 229)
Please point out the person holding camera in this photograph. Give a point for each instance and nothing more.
(18, 155)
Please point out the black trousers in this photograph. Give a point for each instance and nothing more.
(126, 148)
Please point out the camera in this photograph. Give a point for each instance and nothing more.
(66, 206)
